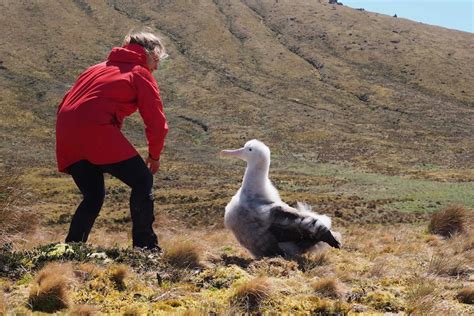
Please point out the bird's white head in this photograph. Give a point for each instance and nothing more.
(254, 152)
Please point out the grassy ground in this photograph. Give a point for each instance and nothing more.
(369, 119)
(389, 262)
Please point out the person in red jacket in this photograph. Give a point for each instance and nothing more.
(89, 142)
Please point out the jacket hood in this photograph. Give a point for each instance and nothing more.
(132, 54)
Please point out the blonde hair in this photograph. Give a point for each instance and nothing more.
(149, 41)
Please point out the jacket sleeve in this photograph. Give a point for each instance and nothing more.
(151, 110)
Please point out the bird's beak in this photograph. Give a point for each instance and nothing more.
(232, 153)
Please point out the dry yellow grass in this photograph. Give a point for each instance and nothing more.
(84, 310)
(250, 294)
(49, 292)
(14, 217)
(117, 275)
(466, 295)
(3, 303)
(447, 264)
(461, 243)
(329, 287)
(313, 260)
(86, 271)
(421, 292)
(449, 221)
(181, 253)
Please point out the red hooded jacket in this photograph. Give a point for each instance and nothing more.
(91, 114)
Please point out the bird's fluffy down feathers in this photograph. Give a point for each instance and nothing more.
(261, 221)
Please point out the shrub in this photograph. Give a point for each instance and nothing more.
(449, 221)
(251, 294)
(49, 292)
(466, 295)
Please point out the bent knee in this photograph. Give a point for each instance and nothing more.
(144, 185)
(94, 201)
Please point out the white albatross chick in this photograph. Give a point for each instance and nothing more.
(261, 221)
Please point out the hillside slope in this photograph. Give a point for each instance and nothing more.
(328, 82)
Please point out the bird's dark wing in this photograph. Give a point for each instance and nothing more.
(287, 224)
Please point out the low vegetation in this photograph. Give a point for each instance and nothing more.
(466, 295)
(183, 254)
(329, 287)
(118, 273)
(3, 303)
(14, 216)
(84, 310)
(449, 221)
(250, 295)
(50, 290)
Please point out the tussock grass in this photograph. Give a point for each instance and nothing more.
(250, 295)
(449, 221)
(49, 292)
(421, 292)
(182, 254)
(329, 287)
(117, 275)
(445, 264)
(324, 307)
(466, 295)
(311, 261)
(84, 310)
(86, 271)
(3, 304)
(462, 243)
(379, 268)
(13, 218)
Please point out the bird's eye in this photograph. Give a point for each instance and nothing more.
(250, 149)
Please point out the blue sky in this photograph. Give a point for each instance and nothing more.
(453, 14)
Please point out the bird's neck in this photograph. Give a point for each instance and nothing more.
(256, 178)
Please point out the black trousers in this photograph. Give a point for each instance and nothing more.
(89, 178)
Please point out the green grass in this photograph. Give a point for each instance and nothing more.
(416, 195)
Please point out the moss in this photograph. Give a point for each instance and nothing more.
(383, 301)
(220, 278)
(276, 267)
(391, 282)
(322, 306)
(25, 279)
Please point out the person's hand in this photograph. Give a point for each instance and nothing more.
(152, 164)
